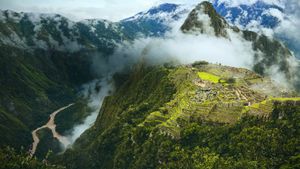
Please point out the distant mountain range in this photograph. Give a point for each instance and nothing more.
(47, 31)
(256, 17)
(56, 31)
(257, 14)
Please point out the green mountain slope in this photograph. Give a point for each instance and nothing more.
(44, 59)
(201, 116)
(32, 86)
(12, 159)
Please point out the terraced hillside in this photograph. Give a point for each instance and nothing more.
(146, 121)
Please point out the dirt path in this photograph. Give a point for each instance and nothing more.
(52, 126)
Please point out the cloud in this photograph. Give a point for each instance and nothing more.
(289, 21)
(175, 47)
(113, 10)
(95, 92)
(288, 28)
(250, 2)
(181, 48)
(185, 49)
(77, 9)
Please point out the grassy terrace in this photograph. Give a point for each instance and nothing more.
(185, 104)
(286, 99)
(209, 77)
(266, 106)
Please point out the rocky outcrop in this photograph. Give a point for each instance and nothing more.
(206, 20)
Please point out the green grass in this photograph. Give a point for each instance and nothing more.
(209, 77)
(287, 99)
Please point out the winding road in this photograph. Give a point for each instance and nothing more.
(52, 126)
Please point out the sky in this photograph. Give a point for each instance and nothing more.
(113, 10)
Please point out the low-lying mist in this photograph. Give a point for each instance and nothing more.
(94, 92)
(181, 48)
(186, 49)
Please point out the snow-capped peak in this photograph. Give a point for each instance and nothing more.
(163, 12)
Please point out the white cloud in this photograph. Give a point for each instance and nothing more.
(78, 9)
(95, 100)
(186, 49)
(250, 2)
(104, 9)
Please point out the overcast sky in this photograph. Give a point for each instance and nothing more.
(104, 9)
(84, 9)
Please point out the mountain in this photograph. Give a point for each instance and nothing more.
(155, 21)
(193, 116)
(204, 19)
(187, 116)
(73, 36)
(165, 116)
(269, 52)
(55, 32)
(14, 159)
(44, 61)
(256, 17)
(260, 16)
(259, 13)
(51, 31)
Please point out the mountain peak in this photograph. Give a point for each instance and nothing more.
(166, 7)
(159, 12)
(205, 19)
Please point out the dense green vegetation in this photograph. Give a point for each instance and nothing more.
(195, 116)
(31, 87)
(47, 144)
(251, 143)
(148, 123)
(139, 96)
(74, 115)
(12, 159)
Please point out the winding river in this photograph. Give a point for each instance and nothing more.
(52, 126)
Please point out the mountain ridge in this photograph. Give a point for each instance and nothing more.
(187, 116)
(155, 106)
(163, 116)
